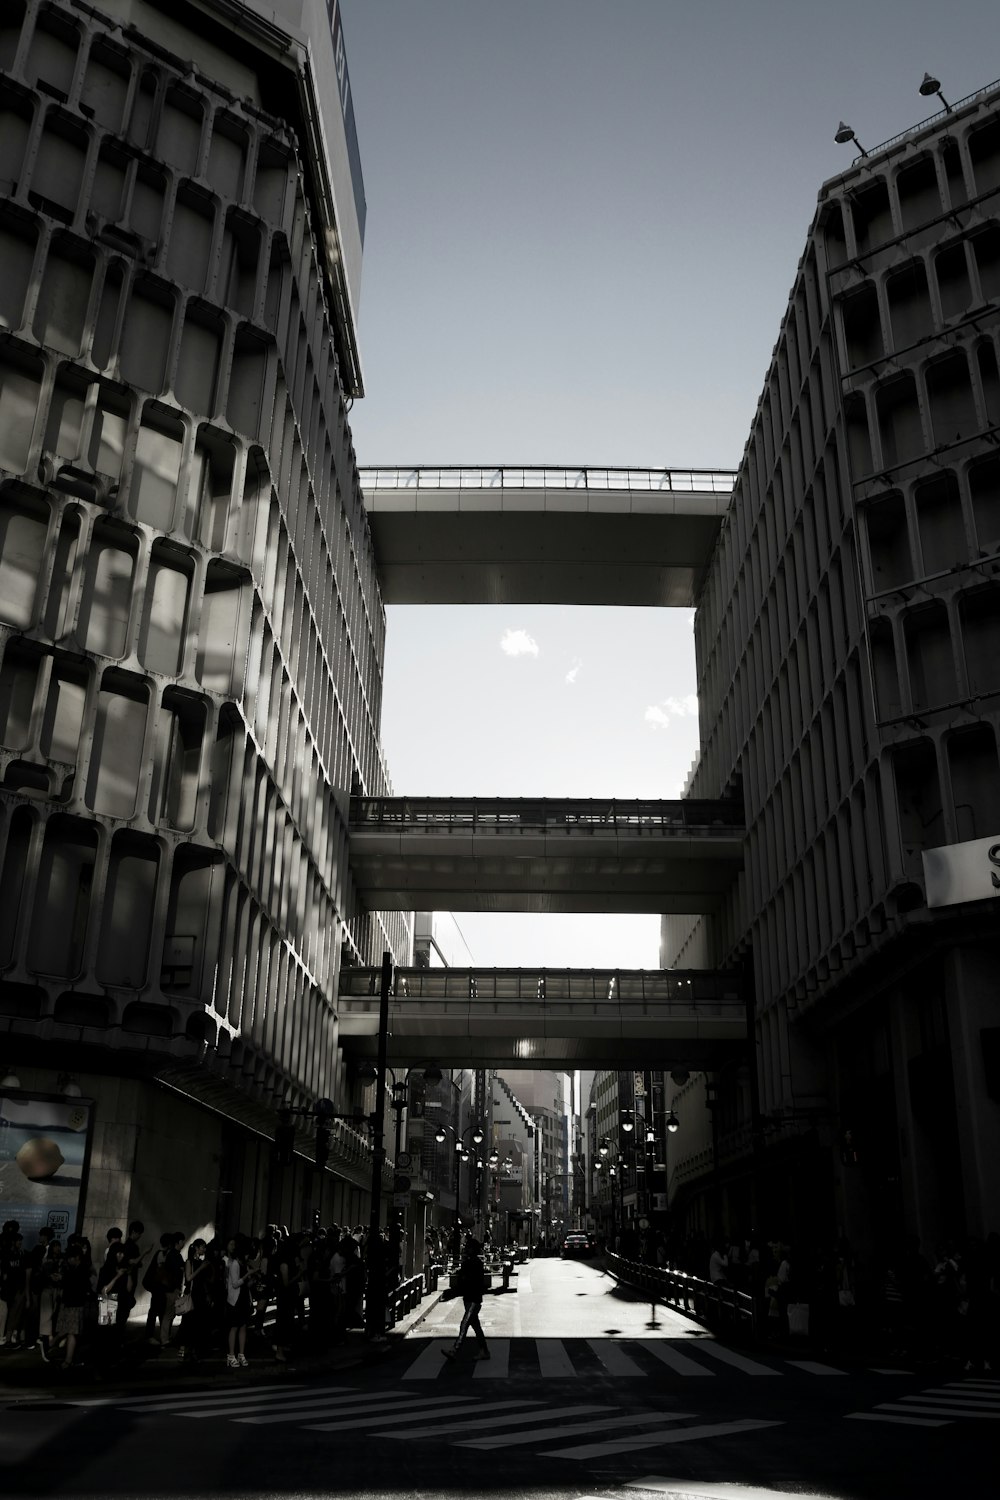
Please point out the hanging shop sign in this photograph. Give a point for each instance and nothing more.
(962, 872)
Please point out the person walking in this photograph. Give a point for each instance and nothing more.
(471, 1277)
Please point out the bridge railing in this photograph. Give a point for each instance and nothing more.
(693, 989)
(546, 477)
(510, 814)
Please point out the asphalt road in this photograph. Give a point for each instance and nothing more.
(588, 1393)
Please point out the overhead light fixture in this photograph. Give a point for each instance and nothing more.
(845, 134)
(10, 1080)
(628, 1124)
(931, 85)
(673, 1124)
(68, 1086)
(477, 1136)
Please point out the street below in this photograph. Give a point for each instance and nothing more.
(589, 1394)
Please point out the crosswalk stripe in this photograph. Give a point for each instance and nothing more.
(730, 1357)
(553, 1360)
(873, 1416)
(429, 1362)
(613, 1358)
(573, 1429)
(477, 1422)
(219, 1403)
(812, 1367)
(447, 1406)
(977, 1385)
(313, 1410)
(930, 1409)
(193, 1395)
(876, 1370)
(679, 1363)
(975, 1398)
(656, 1439)
(498, 1364)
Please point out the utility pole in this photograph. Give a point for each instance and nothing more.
(375, 1298)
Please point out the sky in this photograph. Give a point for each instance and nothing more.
(583, 223)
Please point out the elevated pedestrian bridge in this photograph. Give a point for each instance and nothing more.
(543, 855)
(563, 1018)
(507, 535)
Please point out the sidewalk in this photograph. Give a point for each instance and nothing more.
(24, 1375)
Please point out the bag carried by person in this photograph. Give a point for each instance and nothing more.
(107, 1309)
(184, 1303)
(798, 1318)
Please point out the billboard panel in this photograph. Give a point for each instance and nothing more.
(962, 872)
(44, 1147)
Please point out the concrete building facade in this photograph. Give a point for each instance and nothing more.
(191, 629)
(848, 651)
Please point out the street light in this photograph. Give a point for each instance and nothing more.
(931, 85)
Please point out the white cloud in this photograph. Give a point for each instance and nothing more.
(659, 715)
(574, 671)
(518, 643)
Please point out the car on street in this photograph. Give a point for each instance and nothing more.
(576, 1244)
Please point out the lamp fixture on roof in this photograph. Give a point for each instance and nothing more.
(931, 85)
(845, 134)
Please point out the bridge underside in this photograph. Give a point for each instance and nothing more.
(496, 546)
(566, 1018)
(547, 855)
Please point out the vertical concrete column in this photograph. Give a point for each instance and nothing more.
(972, 1005)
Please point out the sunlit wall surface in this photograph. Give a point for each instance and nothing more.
(190, 622)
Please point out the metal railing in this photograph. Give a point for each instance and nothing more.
(707, 1302)
(937, 117)
(527, 814)
(545, 477)
(403, 1298)
(694, 988)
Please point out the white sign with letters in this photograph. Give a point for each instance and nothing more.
(962, 872)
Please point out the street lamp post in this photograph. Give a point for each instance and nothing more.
(462, 1153)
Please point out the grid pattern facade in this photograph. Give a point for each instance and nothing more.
(190, 620)
(848, 638)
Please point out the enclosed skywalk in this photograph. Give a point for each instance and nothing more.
(543, 855)
(507, 535)
(564, 1018)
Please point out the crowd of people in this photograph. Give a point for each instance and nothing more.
(274, 1293)
(905, 1302)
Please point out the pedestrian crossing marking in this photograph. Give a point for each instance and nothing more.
(812, 1367)
(976, 1398)
(613, 1358)
(446, 1407)
(874, 1416)
(730, 1357)
(574, 1429)
(687, 1359)
(429, 1363)
(657, 1439)
(497, 1367)
(553, 1361)
(477, 1423)
(679, 1363)
(938, 1410)
(312, 1410)
(158, 1403)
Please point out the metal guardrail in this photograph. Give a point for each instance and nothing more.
(705, 1301)
(693, 988)
(545, 477)
(511, 814)
(403, 1298)
(937, 118)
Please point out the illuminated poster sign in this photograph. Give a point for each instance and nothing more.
(44, 1145)
(347, 110)
(962, 872)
